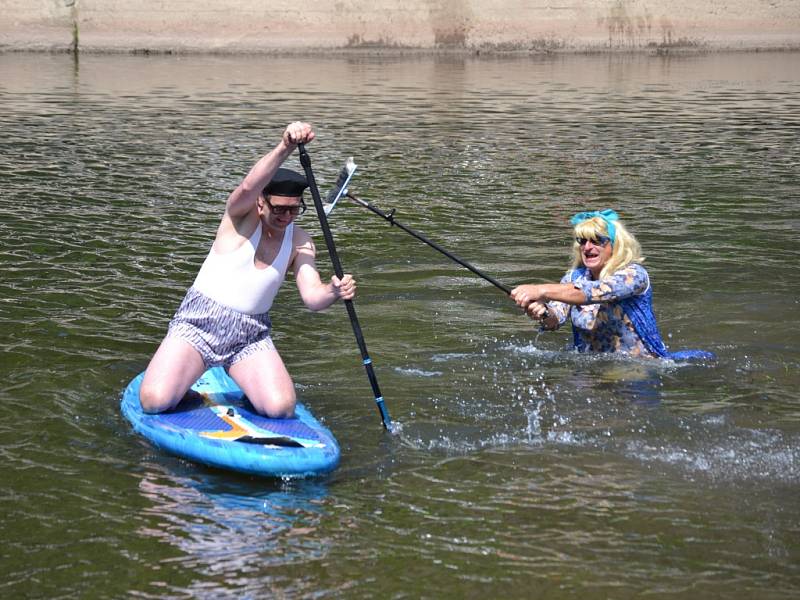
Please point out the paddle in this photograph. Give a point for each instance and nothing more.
(340, 186)
(392, 221)
(305, 160)
(390, 218)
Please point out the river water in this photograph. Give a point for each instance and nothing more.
(518, 468)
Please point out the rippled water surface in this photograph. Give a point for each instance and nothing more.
(519, 469)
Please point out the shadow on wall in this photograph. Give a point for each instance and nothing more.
(623, 28)
(626, 27)
(450, 24)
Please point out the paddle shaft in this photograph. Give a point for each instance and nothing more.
(390, 218)
(305, 160)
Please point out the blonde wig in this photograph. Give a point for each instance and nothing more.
(624, 250)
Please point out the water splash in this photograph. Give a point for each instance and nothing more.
(415, 372)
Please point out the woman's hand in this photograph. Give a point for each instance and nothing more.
(524, 295)
(539, 311)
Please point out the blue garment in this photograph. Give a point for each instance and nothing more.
(638, 309)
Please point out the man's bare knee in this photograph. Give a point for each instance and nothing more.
(155, 398)
(278, 406)
(286, 412)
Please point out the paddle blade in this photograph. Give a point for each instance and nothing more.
(339, 188)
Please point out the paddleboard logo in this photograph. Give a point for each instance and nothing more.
(242, 430)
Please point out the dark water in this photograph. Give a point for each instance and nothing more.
(519, 469)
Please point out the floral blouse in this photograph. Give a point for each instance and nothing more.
(602, 325)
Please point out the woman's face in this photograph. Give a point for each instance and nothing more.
(595, 253)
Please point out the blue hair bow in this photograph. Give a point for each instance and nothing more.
(608, 215)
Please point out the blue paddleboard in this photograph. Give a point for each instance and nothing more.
(219, 427)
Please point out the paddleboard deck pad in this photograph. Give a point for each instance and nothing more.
(215, 425)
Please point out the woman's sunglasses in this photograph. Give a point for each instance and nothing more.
(600, 241)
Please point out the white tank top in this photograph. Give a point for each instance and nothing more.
(232, 278)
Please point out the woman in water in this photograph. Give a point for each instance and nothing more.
(606, 294)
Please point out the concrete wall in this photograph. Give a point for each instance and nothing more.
(378, 25)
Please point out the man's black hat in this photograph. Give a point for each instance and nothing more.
(286, 182)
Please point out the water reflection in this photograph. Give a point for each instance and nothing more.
(233, 527)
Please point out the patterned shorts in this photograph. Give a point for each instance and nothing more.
(220, 334)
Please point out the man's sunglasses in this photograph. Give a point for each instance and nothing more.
(293, 209)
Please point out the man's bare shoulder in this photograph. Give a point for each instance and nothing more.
(301, 239)
(232, 233)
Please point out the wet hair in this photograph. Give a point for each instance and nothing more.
(624, 251)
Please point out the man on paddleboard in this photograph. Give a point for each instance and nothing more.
(606, 294)
(224, 317)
